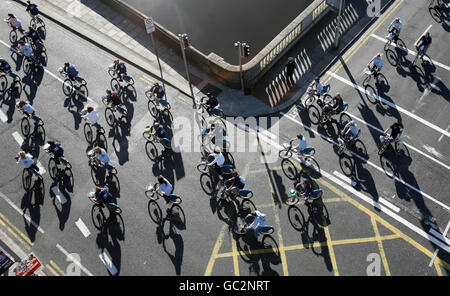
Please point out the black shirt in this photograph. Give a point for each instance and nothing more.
(395, 131)
(425, 40)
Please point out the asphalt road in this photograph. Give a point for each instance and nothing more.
(342, 245)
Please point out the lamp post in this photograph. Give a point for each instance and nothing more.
(338, 29)
(243, 51)
(184, 43)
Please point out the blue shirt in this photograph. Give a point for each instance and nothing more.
(71, 70)
(104, 196)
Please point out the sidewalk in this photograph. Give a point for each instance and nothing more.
(100, 24)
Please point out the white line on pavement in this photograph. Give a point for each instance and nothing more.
(440, 138)
(400, 109)
(74, 260)
(412, 52)
(388, 204)
(61, 198)
(434, 258)
(5, 198)
(371, 164)
(12, 245)
(439, 236)
(406, 144)
(83, 228)
(3, 117)
(345, 178)
(107, 261)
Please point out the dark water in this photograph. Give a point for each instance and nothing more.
(215, 25)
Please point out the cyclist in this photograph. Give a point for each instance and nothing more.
(306, 189)
(377, 64)
(103, 196)
(71, 71)
(5, 67)
(55, 148)
(27, 109)
(32, 10)
(92, 117)
(158, 90)
(164, 187)
(211, 103)
(258, 222)
(394, 29)
(120, 68)
(15, 23)
(235, 183)
(302, 146)
(218, 161)
(318, 87)
(101, 157)
(350, 132)
(160, 131)
(113, 99)
(26, 160)
(337, 104)
(423, 44)
(396, 131)
(35, 38)
(27, 50)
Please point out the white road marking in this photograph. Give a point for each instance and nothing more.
(406, 144)
(345, 178)
(432, 151)
(372, 164)
(439, 236)
(413, 53)
(59, 195)
(83, 228)
(440, 138)
(400, 109)
(5, 198)
(434, 258)
(74, 260)
(3, 117)
(109, 265)
(93, 103)
(12, 245)
(388, 204)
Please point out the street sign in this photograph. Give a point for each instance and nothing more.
(149, 25)
(28, 266)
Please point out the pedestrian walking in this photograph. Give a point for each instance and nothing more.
(290, 68)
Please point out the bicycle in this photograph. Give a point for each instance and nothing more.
(36, 22)
(100, 138)
(306, 159)
(13, 33)
(264, 230)
(98, 207)
(95, 167)
(368, 74)
(203, 166)
(421, 53)
(30, 63)
(27, 177)
(110, 111)
(155, 105)
(16, 83)
(203, 108)
(314, 203)
(328, 112)
(38, 128)
(150, 147)
(391, 37)
(153, 194)
(115, 83)
(69, 86)
(314, 94)
(386, 140)
(345, 140)
(53, 168)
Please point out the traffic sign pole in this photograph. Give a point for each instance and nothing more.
(150, 27)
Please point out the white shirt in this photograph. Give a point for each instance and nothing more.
(27, 50)
(354, 129)
(92, 117)
(165, 187)
(103, 157)
(398, 26)
(260, 220)
(28, 108)
(302, 145)
(378, 62)
(26, 162)
(220, 160)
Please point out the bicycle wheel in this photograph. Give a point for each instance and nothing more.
(319, 213)
(88, 133)
(115, 85)
(327, 99)
(152, 108)
(27, 176)
(52, 168)
(68, 178)
(387, 45)
(113, 183)
(177, 215)
(202, 168)
(110, 118)
(341, 148)
(98, 217)
(382, 148)
(296, 218)
(147, 135)
(310, 100)
(3, 83)
(26, 66)
(112, 73)
(207, 184)
(131, 81)
(314, 114)
(13, 36)
(371, 94)
(247, 206)
(39, 134)
(344, 119)
(151, 150)
(95, 175)
(17, 85)
(289, 169)
(67, 87)
(154, 211)
(367, 79)
(25, 127)
(285, 154)
(83, 92)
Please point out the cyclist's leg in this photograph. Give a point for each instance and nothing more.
(97, 125)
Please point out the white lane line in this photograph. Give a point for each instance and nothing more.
(22, 213)
(59, 195)
(3, 117)
(440, 138)
(109, 265)
(69, 257)
(83, 228)
(432, 151)
(400, 109)
(388, 204)
(413, 53)
(372, 164)
(12, 245)
(434, 258)
(423, 33)
(406, 144)
(345, 178)
(94, 104)
(20, 140)
(439, 236)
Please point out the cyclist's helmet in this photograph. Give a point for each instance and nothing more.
(397, 19)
